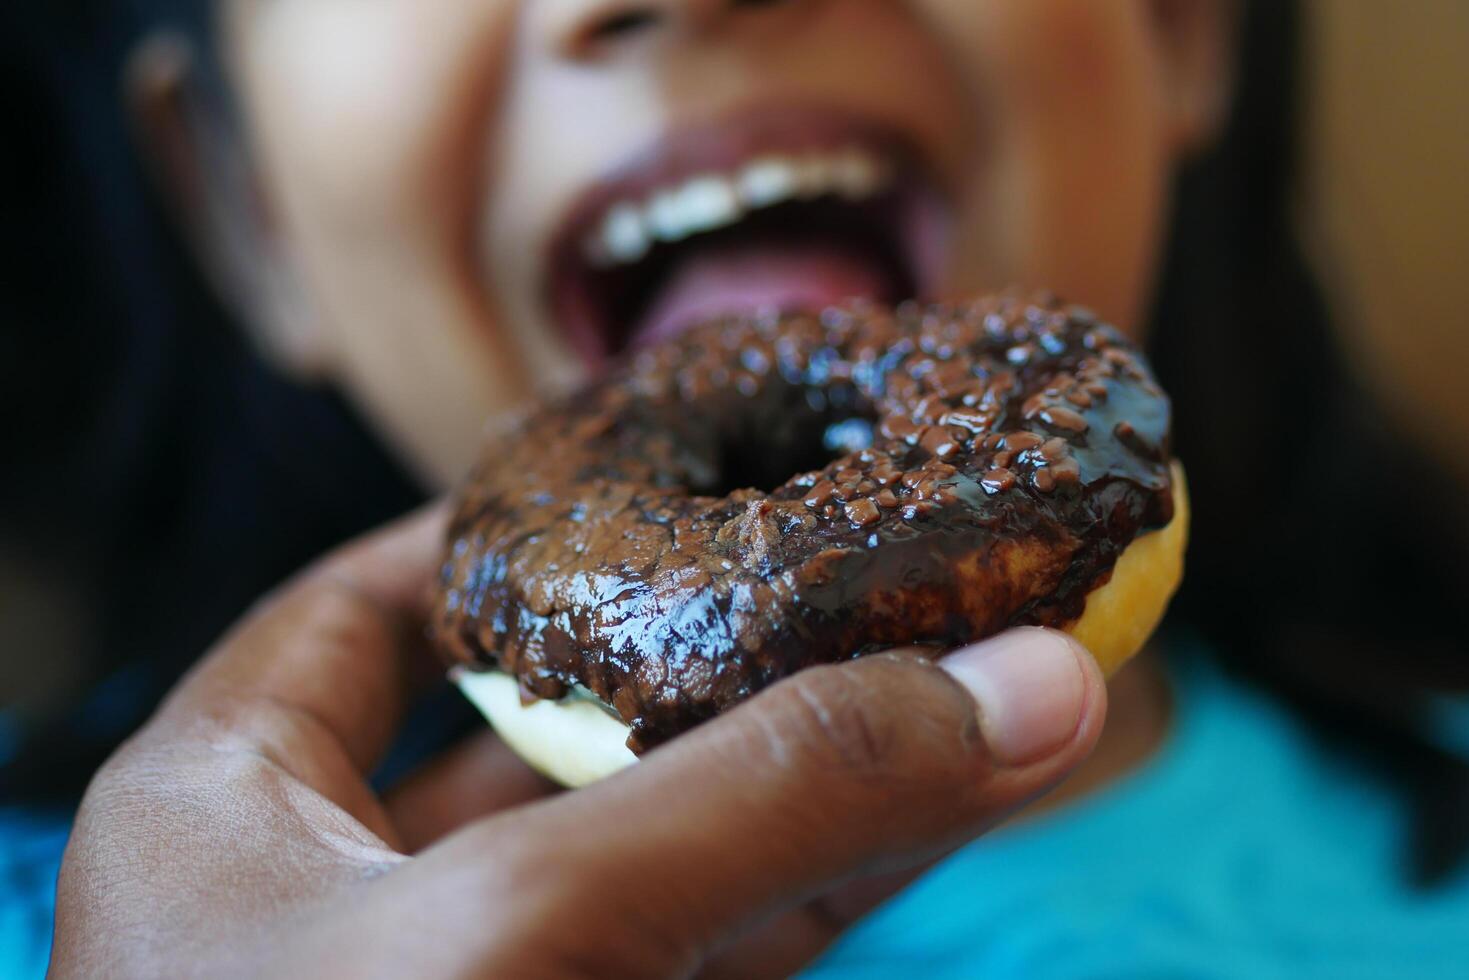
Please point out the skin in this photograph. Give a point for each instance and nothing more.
(404, 163)
(237, 835)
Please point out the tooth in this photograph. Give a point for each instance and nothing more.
(624, 237)
(702, 204)
(708, 203)
(768, 181)
(711, 201)
(815, 177)
(857, 174)
(665, 217)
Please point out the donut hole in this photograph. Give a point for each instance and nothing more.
(796, 431)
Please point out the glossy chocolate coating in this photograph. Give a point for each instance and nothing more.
(958, 470)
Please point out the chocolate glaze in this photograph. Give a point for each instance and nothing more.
(959, 470)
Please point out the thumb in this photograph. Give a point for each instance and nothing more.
(871, 766)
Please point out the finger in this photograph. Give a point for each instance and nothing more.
(334, 650)
(474, 779)
(838, 772)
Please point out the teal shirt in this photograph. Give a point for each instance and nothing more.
(31, 843)
(1241, 849)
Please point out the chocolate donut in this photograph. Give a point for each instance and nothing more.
(769, 493)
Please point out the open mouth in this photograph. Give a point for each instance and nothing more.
(775, 212)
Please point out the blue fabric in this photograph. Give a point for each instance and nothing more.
(1242, 849)
(31, 843)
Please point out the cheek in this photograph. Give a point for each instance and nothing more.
(1077, 173)
(369, 122)
(375, 109)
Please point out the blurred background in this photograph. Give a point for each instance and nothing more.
(149, 451)
(1384, 197)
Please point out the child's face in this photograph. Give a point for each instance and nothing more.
(465, 184)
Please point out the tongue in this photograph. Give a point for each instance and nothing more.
(750, 279)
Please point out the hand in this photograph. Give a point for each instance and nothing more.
(237, 834)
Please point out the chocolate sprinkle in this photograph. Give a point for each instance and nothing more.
(678, 536)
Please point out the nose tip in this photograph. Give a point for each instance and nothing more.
(606, 23)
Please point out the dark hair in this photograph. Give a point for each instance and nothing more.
(161, 476)
(1325, 553)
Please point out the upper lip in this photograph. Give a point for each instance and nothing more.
(724, 149)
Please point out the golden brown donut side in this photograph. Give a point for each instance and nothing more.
(1122, 613)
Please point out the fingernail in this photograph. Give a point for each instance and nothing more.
(1030, 688)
